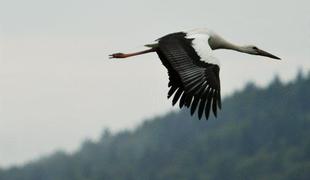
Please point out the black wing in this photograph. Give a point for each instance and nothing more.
(194, 83)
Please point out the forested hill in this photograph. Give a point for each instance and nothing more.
(260, 134)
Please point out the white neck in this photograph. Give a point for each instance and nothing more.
(228, 45)
(217, 42)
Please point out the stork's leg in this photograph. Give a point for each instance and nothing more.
(123, 55)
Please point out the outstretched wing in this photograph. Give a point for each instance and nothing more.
(194, 83)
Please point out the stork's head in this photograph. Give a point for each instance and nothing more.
(250, 49)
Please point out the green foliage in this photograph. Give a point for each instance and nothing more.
(260, 134)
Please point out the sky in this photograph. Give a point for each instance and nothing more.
(58, 87)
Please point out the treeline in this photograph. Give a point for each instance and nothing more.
(260, 134)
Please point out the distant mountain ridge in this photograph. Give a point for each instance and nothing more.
(260, 134)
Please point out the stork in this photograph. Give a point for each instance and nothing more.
(192, 67)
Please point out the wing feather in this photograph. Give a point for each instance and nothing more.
(177, 96)
(172, 90)
(193, 82)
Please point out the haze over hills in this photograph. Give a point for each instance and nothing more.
(260, 134)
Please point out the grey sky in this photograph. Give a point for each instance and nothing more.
(57, 86)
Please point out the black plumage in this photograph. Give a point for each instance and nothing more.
(193, 83)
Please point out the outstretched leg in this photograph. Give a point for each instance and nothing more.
(122, 55)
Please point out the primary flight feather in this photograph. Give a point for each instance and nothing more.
(192, 68)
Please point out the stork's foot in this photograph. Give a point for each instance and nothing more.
(117, 55)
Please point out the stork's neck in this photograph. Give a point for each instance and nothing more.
(235, 47)
(216, 41)
(227, 45)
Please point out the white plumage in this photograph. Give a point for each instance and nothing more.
(202, 47)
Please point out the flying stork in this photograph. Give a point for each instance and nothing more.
(192, 67)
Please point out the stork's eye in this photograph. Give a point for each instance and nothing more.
(255, 48)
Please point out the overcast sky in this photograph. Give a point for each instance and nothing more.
(57, 86)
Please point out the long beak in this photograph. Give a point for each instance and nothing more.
(267, 54)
